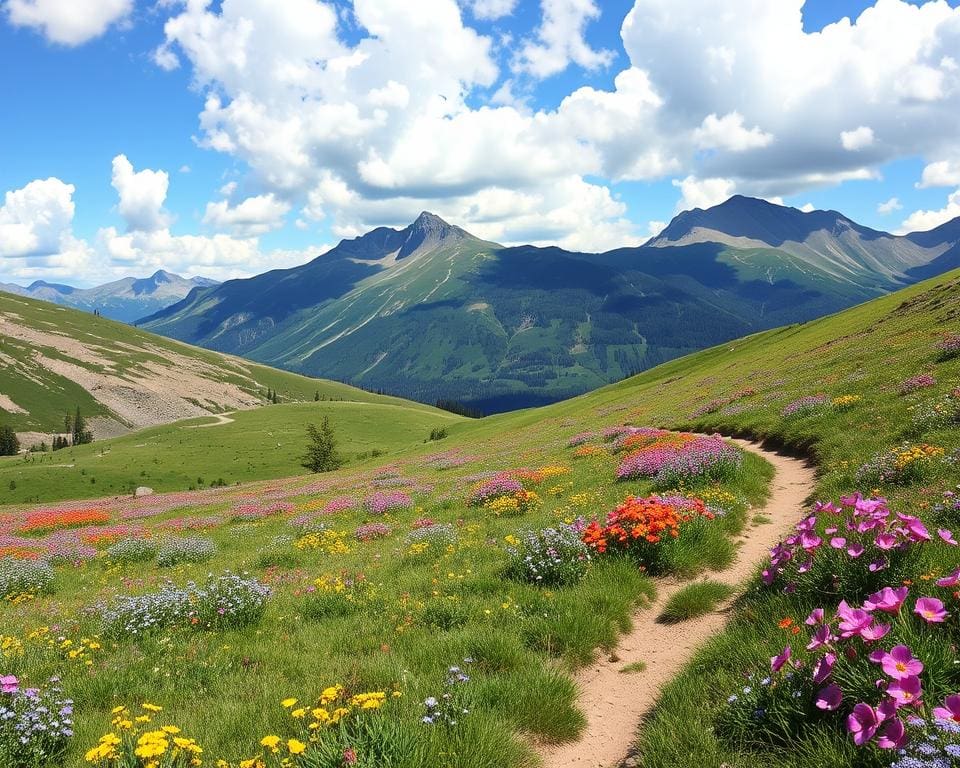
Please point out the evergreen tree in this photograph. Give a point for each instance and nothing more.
(316, 396)
(81, 435)
(276, 397)
(68, 423)
(9, 444)
(321, 453)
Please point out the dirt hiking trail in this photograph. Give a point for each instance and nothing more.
(615, 702)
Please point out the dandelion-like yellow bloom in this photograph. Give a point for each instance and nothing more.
(296, 747)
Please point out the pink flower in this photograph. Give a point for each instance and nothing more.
(887, 600)
(816, 615)
(852, 620)
(950, 581)
(824, 667)
(893, 735)
(951, 711)
(900, 663)
(777, 662)
(862, 723)
(914, 527)
(838, 542)
(905, 691)
(9, 684)
(885, 541)
(947, 536)
(349, 756)
(829, 698)
(930, 610)
(822, 636)
(874, 632)
(855, 550)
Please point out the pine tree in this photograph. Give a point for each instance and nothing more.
(68, 423)
(9, 444)
(81, 435)
(316, 396)
(276, 397)
(322, 453)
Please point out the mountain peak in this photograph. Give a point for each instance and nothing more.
(428, 231)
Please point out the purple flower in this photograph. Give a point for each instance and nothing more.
(829, 698)
(887, 600)
(905, 691)
(900, 663)
(824, 667)
(9, 684)
(862, 723)
(893, 735)
(950, 581)
(951, 710)
(777, 662)
(947, 536)
(930, 610)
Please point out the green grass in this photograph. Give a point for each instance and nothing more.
(259, 444)
(694, 600)
(634, 668)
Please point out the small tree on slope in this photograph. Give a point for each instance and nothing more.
(321, 453)
(9, 445)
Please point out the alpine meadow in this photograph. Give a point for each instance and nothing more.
(480, 384)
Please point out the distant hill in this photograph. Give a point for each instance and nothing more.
(55, 358)
(124, 300)
(430, 311)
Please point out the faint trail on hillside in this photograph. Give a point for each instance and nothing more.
(221, 419)
(613, 702)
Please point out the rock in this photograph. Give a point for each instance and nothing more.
(143, 491)
(631, 762)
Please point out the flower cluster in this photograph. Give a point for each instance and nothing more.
(549, 556)
(914, 383)
(844, 402)
(942, 413)
(907, 463)
(45, 520)
(371, 531)
(189, 549)
(382, 503)
(580, 439)
(448, 708)
(35, 725)
(434, 536)
(805, 405)
(517, 503)
(24, 578)
(132, 550)
(136, 741)
(948, 347)
(230, 600)
(247, 512)
(328, 540)
(672, 463)
(852, 544)
(501, 484)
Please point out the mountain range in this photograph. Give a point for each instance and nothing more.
(125, 300)
(431, 311)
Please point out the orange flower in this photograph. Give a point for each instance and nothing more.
(46, 520)
(785, 623)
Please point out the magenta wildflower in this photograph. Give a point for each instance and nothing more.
(952, 580)
(947, 536)
(931, 610)
(852, 620)
(893, 735)
(951, 710)
(862, 723)
(829, 698)
(777, 662)
(9, 684)
(874, 632)
(824, 667)
(905, 691)
(887, 600)
(900, 663)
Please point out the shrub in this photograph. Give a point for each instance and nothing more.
(549, 556)
(191, 549)
(25, 577)
(36, 725)
(501, 484)
(223, 601)
(682, 458)
(948, 347)
(856, 545)
(438, 433)
(132, 550)
(905, 464)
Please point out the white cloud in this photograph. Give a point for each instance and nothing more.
(165, 58)
(490, 10)
(891, 205)
(857, 139)
(559, 40)
(67, 22)
(921, 221)
(727, 132)
(808, 208)
(703, 193)
(141, 195)
(943, 173)
(654, 228)
(253, 216)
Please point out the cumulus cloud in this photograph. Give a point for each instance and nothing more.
(253, 216)
(942, 173)
(363, 133)
(559, 40)
(67, 22)
(142, 194)
(891, 205)
(920, 221)
(857, 139)
(490, 10)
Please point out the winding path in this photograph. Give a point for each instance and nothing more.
(221, 419)
(614, 702)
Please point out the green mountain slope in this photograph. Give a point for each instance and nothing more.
(431, 311)
(53, 359)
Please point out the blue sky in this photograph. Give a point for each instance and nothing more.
(605, 167)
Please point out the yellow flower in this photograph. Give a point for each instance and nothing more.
(270, 742)
(117, 710)
(151, 707)
(171, 729)
(298, 713)
(296, 747)
(287, 703)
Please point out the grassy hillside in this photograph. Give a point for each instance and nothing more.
(257, 444)
(53, 359)
(385, 577)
